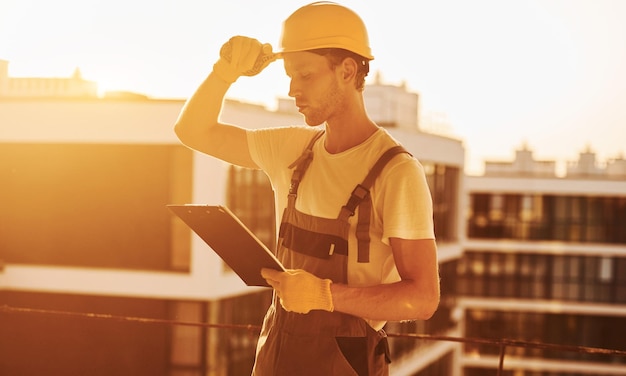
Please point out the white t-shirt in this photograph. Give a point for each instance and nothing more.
(401, 200)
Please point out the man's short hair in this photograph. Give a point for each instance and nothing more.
(336, 56)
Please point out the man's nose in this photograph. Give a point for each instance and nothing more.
(294, 91)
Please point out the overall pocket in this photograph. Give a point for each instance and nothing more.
(312, 356)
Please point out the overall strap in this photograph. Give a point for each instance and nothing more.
(301, 164)
(361, 198)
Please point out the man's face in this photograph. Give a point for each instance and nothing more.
(314, 85)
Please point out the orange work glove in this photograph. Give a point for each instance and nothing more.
(242, 56)
(300, 291)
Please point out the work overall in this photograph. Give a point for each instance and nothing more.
(322, 343)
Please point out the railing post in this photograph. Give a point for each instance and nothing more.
(502, 351)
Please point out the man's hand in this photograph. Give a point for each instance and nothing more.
(300, 291)
(242, 56)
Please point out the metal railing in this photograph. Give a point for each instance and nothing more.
(502, 344)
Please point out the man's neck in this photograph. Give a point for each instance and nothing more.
(344, 135)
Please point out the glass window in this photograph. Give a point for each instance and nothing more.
(574, 330)
(477, 271)
(540, 267)
(595, 215)
(605, 269)
(251, 198)
(186, 340)
(443, 183)
(561, 209)
(496, 208)
(620, 280)
(235, 348)
(94, 205)
(510, 274)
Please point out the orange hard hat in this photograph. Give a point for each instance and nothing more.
(325, 24)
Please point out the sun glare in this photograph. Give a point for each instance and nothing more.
(516, 70)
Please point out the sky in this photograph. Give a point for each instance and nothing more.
(496, 74)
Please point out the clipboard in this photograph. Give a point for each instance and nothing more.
(230, 239)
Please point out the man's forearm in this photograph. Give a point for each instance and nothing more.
(397, 301)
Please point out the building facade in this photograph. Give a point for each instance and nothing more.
(545, 261)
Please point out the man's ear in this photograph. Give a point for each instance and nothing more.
(349, 69)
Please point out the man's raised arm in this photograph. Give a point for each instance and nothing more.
(198, 125)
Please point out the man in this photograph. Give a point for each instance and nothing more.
(360, 248)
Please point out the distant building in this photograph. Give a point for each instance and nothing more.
(545, 261)
(524, 164)
(40, 87)
(587, 166)
(392, 106)
(616, 167)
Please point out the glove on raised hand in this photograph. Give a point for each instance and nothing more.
(300, 291)
(242, 56)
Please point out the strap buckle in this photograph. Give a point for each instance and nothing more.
(358, 194)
